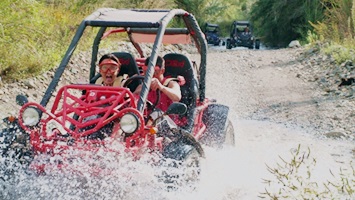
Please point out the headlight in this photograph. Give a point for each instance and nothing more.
(129, 123)
(30, 116)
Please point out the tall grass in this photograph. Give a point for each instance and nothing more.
(337, 29)
(33, 34)
(36, 33)
(338, 23)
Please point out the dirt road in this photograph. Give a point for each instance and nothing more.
(268, 85)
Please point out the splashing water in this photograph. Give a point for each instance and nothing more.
(118, 177)
(228, 173)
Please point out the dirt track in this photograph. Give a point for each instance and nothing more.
(265, 85)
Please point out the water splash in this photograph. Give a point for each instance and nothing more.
(228, 173)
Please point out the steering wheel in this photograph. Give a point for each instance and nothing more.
(149, 104)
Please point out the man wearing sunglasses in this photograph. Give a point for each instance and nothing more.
(109, 67)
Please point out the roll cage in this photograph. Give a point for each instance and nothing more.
(239, 26)
(153, 25)
(211, 27)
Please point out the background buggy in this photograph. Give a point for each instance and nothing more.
(212, 34)
(242, 35)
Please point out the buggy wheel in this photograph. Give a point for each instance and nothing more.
(14, 145)
(223, 42)
(257, 44)
(217, 43)
(7, 137)
(181, 148)
(192, 167)
(228, 45)
(180, 170)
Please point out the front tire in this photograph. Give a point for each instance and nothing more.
(182, 159)
(15, 151)
(217, 43)
(229, 45)
(257, 44)
(14, 145)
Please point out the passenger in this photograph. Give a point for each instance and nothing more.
(169, 88)
(109, 67)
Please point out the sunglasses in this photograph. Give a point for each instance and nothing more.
(106, 68)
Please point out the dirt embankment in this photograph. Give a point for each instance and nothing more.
(294, 86)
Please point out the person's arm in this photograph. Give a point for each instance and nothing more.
(138, 89)
(172, 91)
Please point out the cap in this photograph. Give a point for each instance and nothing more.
(108, 62)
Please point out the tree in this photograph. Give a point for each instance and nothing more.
(203, 10)
(280, 21)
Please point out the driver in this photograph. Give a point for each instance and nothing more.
(246, 31)
(109, 67)
(169, 88)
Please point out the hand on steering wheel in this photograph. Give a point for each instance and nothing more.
(149, 104)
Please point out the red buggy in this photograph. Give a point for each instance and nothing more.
(89, 116)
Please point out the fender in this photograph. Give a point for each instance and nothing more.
(215, 118)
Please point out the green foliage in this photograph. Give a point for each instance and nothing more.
(221, 12)
(338, 24)
(328, 21)
(204, 11)
(312, 37)
(279, 28)
(340, 52)
(33, 35)
(236, 10)
(337, 29)
(294, 180)
(145, 4)
(39, 31)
